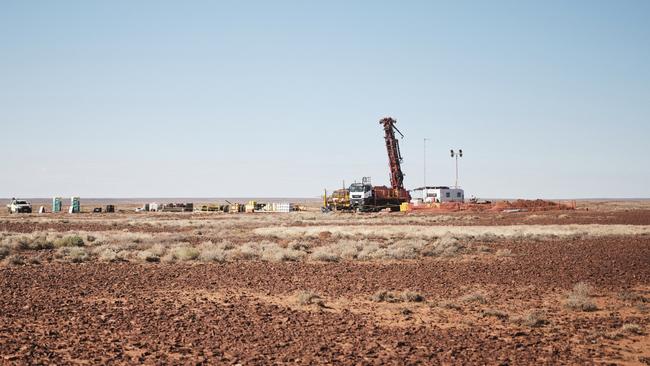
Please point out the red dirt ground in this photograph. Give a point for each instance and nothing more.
(246, 312)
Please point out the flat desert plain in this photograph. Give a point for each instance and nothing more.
(553, 287)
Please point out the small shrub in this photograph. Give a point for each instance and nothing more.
(309, 298)
(483, 249)
(385, 296)
(533, 319)
(148, 256)
(494, 313)
(16, 260)
(580, 298)
(324, 254)
(107, 255)
(631, 328)
(473, 297)
(410, 296)
(74, 254)
(504, 253)
(158, 249)
(4, 252)
(69, 241)
(406, 296)
(90, 238)
(213, 255)
(186, 253)
(446, 246)
(449, 305)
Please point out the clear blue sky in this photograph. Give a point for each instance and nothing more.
(207, 98)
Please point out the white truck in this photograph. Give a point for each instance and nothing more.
(19, 206)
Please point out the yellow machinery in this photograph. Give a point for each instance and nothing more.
(338, 201)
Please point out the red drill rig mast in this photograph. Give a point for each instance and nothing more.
(394, 155)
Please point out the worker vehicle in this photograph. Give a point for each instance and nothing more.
(19, 206)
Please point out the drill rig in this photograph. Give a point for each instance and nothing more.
(365, 197)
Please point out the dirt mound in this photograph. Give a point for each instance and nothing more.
(533, 205)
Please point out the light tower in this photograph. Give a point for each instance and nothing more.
(424, 190)
(457, 155)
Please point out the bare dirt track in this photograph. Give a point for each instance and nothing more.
(475, 308)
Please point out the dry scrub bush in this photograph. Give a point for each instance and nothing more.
(324, 254)
(533, 319)
(504, 253)
(632, 328)
(73, 254)
(473, 297)
(483, 249)
(626, 329)
(38, 242)
(107, 255)
(406, 296)
(445, 246)
(580, 298)
(186, 253)
(4, 252)
(148, 256)
(309, 298)
(16, 260)
(69, 241)
(494, 313)
(213, 255)
(449, 304)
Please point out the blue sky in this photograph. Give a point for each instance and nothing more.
(210, 99)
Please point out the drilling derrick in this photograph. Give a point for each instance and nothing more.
(394, 155)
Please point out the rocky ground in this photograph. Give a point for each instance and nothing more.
(550, 300)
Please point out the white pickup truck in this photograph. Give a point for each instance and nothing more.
(19, 206)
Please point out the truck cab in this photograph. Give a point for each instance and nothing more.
(360, 193)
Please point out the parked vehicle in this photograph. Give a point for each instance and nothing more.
(19, 206)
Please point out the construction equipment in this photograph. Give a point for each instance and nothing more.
(338, 201)
(365, 197)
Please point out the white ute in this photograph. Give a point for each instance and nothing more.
(19, 206)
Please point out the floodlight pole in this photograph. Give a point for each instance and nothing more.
(457, 155)
(424, 168)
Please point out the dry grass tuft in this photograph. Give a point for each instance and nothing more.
(309, 298)
(533, 319)
(494, 313)
(186, 253)
(325, 254)
(580, 298)
(632, 328)
(390, 297)
(4, 252)
(504, 253)
(446, 246)
(73, 254)
(148, 256)
(107, 255)
(473, 297)
(448, 304)
(69, 241)
(16, 260)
